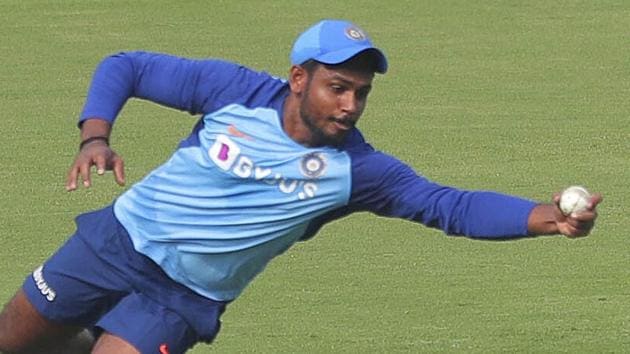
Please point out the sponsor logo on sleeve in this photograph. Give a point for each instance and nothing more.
(44, 289)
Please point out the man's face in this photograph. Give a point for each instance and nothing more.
(333, 101)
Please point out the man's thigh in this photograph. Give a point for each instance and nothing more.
(24, 329)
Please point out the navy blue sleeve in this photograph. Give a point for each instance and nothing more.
(386, 186)
(195, 86)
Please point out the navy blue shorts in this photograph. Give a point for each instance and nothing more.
(97, 279)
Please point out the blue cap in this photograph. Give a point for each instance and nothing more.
(333, 42)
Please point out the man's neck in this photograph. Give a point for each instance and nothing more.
(293, 125)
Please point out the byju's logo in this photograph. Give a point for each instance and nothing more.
(226, 154)
(43, 287)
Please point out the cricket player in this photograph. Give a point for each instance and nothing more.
(268, 163)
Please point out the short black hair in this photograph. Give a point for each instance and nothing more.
(310, 65)
(364, 61)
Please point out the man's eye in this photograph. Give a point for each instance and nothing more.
(336, 88)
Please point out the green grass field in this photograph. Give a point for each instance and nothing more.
(523, 97)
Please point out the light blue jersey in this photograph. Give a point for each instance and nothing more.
(215, 214)
(238, 191)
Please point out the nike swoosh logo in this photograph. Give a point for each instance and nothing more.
(234, 131)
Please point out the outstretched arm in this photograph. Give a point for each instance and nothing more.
(384, 185)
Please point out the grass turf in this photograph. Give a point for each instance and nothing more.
(519, 97)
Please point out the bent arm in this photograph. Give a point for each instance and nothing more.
(175, 82)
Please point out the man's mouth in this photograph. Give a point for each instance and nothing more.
(343, 123)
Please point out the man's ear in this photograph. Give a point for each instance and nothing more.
(298, 78)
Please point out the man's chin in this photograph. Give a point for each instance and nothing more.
(336, 139)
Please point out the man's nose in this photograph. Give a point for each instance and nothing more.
(349, 103)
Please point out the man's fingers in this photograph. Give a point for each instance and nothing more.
(580, 224)
(118, 166)
(556, 198)
(102, 159)
(595, 199)
(84, 170)
(583, 216)
(583, 229)
(71, 180)
(100, 163)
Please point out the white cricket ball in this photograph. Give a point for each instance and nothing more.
(574, 200)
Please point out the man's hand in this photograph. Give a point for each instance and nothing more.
(95, 154)
(95, 151)
(547, 219)
(576, 224)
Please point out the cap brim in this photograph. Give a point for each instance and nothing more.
(339, 56)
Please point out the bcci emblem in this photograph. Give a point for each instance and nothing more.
(313, 165)
(355, 33)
